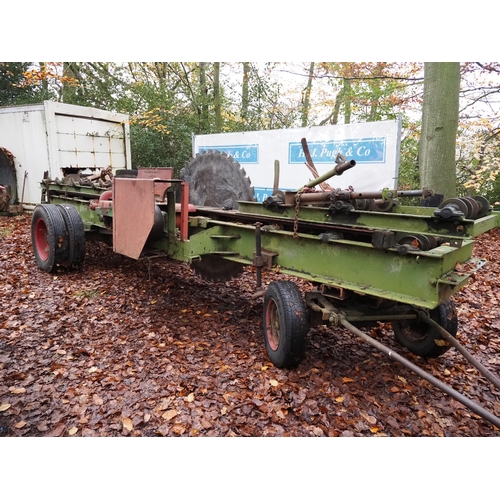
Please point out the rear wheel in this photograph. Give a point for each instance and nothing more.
(76, 235)
(285, 324)
(421, 338)
(49, 237)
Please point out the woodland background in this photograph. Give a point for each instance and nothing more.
(169, 101)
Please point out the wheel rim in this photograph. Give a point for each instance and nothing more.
(272, 325)
(41, 243)
(414, 332)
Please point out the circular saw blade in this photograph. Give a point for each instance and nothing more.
(216, 180)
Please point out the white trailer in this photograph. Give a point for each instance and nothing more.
(58, 139)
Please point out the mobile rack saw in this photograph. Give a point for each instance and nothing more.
(370, 258)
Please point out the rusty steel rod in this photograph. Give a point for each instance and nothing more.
(479, 410)
(463, 351)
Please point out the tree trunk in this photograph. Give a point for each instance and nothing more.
(436, 152)
(245, 91)
(204, 97)
(347, 100)
(217, 104)
(307, 96)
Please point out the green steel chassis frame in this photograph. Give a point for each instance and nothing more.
(363, 262)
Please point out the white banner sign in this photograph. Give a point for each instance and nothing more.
(374, 146)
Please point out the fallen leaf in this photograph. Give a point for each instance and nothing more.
(4, 406)
(73, 431)
(170, 414)
(340, 399)
(189, 398)
(274, 383)
(61, 351)
(17, 390)
(93, 369)
(178, 429)
(20, 425)
(346, 380)
(128, 424)
(97, 400)
(57, 431)
(369, 418)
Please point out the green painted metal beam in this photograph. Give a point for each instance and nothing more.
(422, 279)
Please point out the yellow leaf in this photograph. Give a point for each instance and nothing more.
(274, 383)
(73, 431)
(20, 425)
(374, 430)
(17, 390)
(264, 368)
(170, 414)
(340, 399)
(347, 380)
(190, 397)
(93, 369)
(4, 406)
(61, 351)
(128, 424)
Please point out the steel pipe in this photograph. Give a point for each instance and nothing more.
(479, 410)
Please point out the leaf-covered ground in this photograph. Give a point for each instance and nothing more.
(126, 348)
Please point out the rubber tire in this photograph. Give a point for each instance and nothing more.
(76, 234)
(285, 324)
(49, 238)
(444, 315)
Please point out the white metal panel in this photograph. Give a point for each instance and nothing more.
(374, 145)
(50, 136)
(87, 137)
(23, 133)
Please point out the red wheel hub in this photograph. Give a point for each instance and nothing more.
(272, 325)
(42, 246)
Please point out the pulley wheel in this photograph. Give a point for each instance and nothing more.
(472, 205)
(484, 205)
(458, 203)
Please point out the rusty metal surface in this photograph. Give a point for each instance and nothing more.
(164, 173)
(133, 214)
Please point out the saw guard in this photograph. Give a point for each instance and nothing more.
(133, 214)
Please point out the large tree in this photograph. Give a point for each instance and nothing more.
(437, 146)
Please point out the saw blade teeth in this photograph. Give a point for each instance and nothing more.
(214, 177)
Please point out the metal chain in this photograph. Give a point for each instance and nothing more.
(296, 220)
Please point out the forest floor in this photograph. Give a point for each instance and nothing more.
(148, 348)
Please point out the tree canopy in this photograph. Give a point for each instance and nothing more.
(169, 101)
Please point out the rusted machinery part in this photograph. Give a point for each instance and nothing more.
(472, 207)
(216, 268)
(7, 179)
(216, 180)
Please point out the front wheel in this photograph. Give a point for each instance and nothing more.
(421, 338)
(285, 324)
